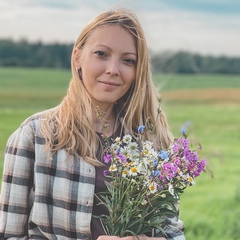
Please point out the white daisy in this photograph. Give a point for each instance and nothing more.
(127, 138)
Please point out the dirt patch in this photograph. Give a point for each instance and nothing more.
(232, 95)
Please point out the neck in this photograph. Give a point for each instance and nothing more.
(105, 120)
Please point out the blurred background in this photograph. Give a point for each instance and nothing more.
(195, 56)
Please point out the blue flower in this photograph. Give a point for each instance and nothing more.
(140, 129)
(156, 173)
(185, 127)
(163, 154)
(155, 162)
(118, 150)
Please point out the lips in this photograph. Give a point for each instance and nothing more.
(109, 83)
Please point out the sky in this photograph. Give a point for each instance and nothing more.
(207, 27)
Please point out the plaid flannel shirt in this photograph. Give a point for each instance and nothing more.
(46, 196)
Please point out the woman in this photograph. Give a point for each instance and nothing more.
(53, 162)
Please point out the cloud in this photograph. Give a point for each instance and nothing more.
(191, 31)
(167, 26)
(213, 6)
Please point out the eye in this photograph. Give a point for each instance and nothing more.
(130, 61)
(100, 53)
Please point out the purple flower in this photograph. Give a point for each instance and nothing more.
(105, 173)
(170, 170)
(200, 168)
(176, 147)
(140, 129)
(177, 161)
(202, 164)
(188, 155)
(184, 142)
(107, 158)
(160, 188)
(191, 156)
(122, 157)
(194, 156)
(162, 177)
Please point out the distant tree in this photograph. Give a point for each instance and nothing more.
(56, 55)
(185, 62)
(23, 53)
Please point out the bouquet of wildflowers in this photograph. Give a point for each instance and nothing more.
(145, 184)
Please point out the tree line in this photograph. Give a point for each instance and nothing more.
(55, 55)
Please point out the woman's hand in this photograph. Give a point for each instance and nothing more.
(140, 237)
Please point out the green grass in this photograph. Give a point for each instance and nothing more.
(32, 88)
(210, 209)
(200, 81)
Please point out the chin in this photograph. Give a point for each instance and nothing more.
(106, 101)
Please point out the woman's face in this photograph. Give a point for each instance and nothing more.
(108, 62)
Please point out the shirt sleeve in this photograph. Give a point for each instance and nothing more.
(17, 183)
(174, 228)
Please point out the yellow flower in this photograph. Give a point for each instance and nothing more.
(146, 151)
(133, 171)
(152, 187)
(113, 168)
(190, 179)
(124, 173)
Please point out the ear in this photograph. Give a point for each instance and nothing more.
(76, 57)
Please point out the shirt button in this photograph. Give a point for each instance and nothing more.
(85, 236)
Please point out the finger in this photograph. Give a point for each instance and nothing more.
(104, 237)
(139, 237)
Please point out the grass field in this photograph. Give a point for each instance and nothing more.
(210, 209)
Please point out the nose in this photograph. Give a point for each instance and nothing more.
(113, 67)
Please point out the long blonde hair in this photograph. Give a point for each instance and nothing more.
(70, 125)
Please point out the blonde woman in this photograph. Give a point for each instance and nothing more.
(53, 163)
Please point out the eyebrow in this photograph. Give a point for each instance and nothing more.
(126, 53)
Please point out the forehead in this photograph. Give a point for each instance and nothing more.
(114, 36)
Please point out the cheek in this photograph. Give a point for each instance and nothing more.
(91, 72)
(131, 79)
(130, 76)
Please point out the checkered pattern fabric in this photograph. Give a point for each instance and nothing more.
(46, 196)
